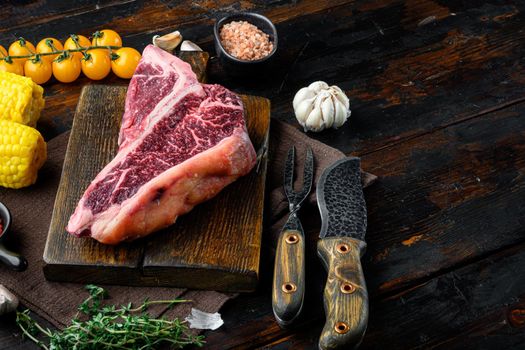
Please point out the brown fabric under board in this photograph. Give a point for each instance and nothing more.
(31, 209)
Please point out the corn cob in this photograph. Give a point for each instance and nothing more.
(21, 100)
(22, 152)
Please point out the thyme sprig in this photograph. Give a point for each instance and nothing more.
(100, 326)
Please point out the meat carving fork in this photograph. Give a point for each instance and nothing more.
(288, 277)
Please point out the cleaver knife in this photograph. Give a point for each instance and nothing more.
(341, 246)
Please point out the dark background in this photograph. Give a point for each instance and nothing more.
(437, 96)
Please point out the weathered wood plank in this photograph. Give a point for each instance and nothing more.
(217, 245)
(470, 302)
(431, 69)
(404, 82)
(11, 336)
(8, 340)
(469, 308)
(136, 18)
(443, 200)
(19, 14)
(97, 146)
(363, 46)
(137, 22)
(191, 253)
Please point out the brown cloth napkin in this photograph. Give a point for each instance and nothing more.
(32, 208)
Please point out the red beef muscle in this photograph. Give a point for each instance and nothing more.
(180, 143)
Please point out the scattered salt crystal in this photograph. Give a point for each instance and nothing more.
(203, 320)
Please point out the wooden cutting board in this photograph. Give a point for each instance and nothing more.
(216, 246)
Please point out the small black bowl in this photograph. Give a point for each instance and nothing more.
(236, 66)
(7, 257)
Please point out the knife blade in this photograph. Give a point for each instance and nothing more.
(343, 213)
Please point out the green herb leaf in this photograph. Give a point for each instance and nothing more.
(111, 327)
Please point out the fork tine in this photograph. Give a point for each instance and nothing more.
(288, 174)
(309, 168)
(308, 175)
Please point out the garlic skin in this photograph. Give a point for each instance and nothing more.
(167, 42)
(189, 46)
(8, 301)
(319, 106)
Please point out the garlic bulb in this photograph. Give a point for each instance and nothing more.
(319, 106)
(8, 301)
(168, 42)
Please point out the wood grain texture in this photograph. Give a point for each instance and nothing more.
(91, 146)
(449, 198)
(471, 54)
(469, 308)
(345, 294)
(216, 246)
(136, 21)
(198, 61)
(473, 170)
(288, 277)
(141, 19)
(436, 89)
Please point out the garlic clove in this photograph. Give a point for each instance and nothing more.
(314, 121)
(301, 95)
(340, 114)
(189, 46)
(168, 42)
(318, 86)
(303, 110)
(8, 301)
(341, 96)
(328, 110)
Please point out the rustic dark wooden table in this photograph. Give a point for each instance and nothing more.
(437, 91)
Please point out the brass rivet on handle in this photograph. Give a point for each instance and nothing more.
(289, 287)
(343, 248)
(292, 239)
(347, 288)
(341, 327)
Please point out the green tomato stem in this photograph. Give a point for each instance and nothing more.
(60, 52)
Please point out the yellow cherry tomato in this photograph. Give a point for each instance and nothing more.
(40, 71)
(49, 45)
(106, 37)
(66, 69)
(3, 51)
(13, 67)
(21, 47)
(96, 64)
(127, 59)
(71, 45)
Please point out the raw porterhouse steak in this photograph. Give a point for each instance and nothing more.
(180, 143)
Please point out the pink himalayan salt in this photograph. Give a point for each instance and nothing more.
(245, 41)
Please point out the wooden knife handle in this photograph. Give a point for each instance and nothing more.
(345, 294)
(288, 277)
